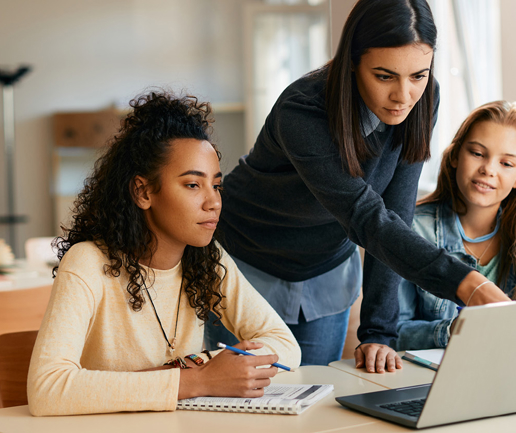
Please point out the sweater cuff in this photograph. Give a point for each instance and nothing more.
(379, 339)
(175, 374)
(213, 353)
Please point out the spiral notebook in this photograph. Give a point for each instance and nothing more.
(429, 358)
(283, 399)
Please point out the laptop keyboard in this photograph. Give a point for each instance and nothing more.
(410, 407)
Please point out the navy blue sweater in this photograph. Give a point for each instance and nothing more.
(289, 209)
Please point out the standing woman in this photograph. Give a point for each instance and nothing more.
(336, 165)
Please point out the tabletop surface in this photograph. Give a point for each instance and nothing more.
(410, 375)
(325, 416)
(26, 275)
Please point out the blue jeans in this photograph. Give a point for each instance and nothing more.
(325, 299)
(321, 340)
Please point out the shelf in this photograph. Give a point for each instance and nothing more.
(227, 107)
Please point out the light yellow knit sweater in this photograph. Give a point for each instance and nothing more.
(91, 342)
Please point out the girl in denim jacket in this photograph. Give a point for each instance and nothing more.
(472, 215)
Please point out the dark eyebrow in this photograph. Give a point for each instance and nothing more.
(476, 142)
(481, 145)
(199, 173)
(395, 73)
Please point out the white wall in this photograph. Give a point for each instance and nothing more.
(339, 10)
(89, 54)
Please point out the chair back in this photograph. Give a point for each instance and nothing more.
(15, 352)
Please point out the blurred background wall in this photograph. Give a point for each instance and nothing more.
(90, 55)
(87, 55)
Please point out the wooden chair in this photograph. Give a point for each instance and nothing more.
(23, 309)
(15, 352)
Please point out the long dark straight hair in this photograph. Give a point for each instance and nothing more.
(378, 24)
(501, 113)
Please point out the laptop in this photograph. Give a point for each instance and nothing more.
(475, 379)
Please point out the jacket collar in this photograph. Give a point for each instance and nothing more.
(449, 238)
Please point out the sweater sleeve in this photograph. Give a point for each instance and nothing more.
(250, 317)
(379, 224)
(379, 312)
(59, 385)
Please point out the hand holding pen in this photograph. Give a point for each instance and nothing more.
(243, 352)
(230, 375)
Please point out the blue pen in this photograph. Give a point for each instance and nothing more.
(243, 352)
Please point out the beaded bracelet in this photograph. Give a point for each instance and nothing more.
(197, 359)
(177, 363)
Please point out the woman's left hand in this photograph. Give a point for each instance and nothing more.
(376, 357)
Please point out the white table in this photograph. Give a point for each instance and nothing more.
(326, 415)
(27, 276)
(411, 374)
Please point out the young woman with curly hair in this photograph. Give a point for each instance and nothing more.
(139, 272)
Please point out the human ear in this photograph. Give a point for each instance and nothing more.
(140, 192)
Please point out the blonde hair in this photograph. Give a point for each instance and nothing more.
(502, 113)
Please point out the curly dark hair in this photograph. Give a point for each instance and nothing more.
(106, 213)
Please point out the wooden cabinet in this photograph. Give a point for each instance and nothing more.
(81, 137)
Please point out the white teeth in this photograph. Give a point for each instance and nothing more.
(483, 185)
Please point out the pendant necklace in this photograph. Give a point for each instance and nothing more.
(480, 239)
(171, 344)
(481, 255)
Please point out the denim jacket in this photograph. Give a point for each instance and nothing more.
(424, 318)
